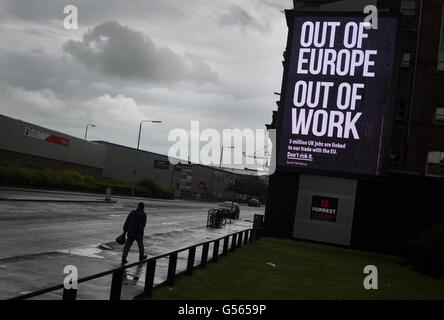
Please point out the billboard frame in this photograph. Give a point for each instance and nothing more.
(290, 18)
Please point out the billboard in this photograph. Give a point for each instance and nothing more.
(161, 164)
(337, 95)
(40, 135)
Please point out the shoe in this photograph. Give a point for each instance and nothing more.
(144, 257)
(124, 261)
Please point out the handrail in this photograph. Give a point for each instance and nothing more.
(124, 267)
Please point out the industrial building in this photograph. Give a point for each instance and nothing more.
(187, 180)
(23, 143)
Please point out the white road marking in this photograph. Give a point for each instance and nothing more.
(170, 222)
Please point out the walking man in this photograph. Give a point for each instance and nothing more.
(134, 228)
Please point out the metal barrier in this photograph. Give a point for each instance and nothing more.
(237, 239)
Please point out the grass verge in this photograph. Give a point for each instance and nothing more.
(303, 271)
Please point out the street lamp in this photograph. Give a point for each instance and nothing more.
(137, 152)
(86, 131)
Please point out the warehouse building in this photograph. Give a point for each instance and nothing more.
(186, 180)
(24, 144)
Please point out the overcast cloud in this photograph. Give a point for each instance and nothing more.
(116, 50)
(237, 16)
(218, 62)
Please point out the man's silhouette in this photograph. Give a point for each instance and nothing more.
(134, 228)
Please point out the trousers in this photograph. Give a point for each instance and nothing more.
(129, 243)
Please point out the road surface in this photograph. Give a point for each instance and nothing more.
(38, 237)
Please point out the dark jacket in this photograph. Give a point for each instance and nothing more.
(135, 223)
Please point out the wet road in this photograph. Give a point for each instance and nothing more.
(39, 238)
(28, 227)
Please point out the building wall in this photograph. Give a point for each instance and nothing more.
(87, 157)
(104, 159)
(121, 161)
(280, 212)
(412, 145)
(388, 215)
(391, 211)
(22, 159)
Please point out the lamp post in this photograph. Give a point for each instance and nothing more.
(86, 131)
(137, 152)
(222, 152)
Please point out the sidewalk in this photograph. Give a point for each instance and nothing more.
(36, 195)
(24, 274)
(40, 199)
(57, 196)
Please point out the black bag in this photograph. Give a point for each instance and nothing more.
(121, 239)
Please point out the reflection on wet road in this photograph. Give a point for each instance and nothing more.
(39, 238)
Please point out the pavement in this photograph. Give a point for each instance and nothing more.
(43, 195)
(38, 239)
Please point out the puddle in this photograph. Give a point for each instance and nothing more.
(85, 252)
(24, 292)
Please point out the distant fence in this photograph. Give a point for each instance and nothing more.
(237, 240)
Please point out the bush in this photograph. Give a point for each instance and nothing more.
(40, 177)
(88, 179)
(36, 166)
(4, 163)
(427, 251)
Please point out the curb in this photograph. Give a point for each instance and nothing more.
(64, 192)
(58, 200)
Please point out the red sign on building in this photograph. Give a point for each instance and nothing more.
(39, 135)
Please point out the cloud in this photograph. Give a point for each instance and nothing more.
(144, 66)
(121, 110)
(42, 11)
(113, 115)
(277, 4)
(236, 16)
(44, 102)
(110, 110)
(119, 51)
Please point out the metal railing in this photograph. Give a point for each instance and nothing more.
(238, 239)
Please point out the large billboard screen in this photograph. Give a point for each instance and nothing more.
(336, 112)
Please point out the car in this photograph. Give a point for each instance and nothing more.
(231, 209)
(254, 203)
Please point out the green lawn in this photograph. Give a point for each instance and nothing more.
(302, 271)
